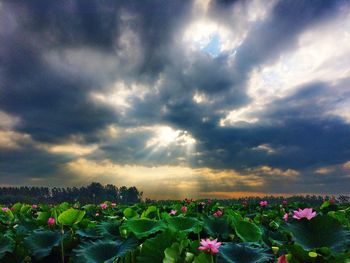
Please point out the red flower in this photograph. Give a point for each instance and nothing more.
(263, 203)
(218, 213)
(51, 221)
(282, 259)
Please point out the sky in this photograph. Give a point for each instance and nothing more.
(204, 98)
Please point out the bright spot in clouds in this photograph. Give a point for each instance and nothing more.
(72, 149)
(165, 136)
(209, 37)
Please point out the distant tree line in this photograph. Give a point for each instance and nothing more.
(93, 193)
(314, 200)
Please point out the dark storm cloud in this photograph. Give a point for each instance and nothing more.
(222, 82)
(335, 182)
(157, 22)
(182, 78)
(51, 104)
(296, 127)
(31, 166)
(71, 22)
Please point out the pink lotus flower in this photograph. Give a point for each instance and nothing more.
(209, 201)
(34, 206)
(218, 213)
(97, 214)
(282, 259)
(173, 212)
(263, 203)
(51, 221)
(113, 204)
(103, 206)
(184, 209)
(210, 246)
(284, 202)
(332, 201)
(305, 213)
(5, 209)
(285, 217)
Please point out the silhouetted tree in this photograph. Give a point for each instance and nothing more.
(93, 193)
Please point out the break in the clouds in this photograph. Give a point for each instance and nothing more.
(180, 98)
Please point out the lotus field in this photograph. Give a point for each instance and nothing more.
(202, 231)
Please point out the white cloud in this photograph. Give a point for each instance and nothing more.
(70, 148)
(321, 55)
(8, 121)
(230, 30)
(268, 170)
(240, 116)
(13, 140)
(119, 95)
(265, 148)
(259, 9)
(346, 165)
(324, 170)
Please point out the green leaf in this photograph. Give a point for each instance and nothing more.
(247, 231)
(17, 206)
(203, 258)
(71, 216)
(6, 246)
(321, 231)
(299, 254)
(243, 253)
(313, 254)
(172, 254)
(185, 224)
(109, 229)
(130, 213)
(89, 208)
(217, 227)
(104, 250)
(189, 257)
(88, 233)
(41, 242)
(274, 237)
(153, 249)
(325, 204)
(340, 215)
(25, 208)
(233, 216)
(6, 216)
(143, 227)
(64, 206)
(151, 212)
(43, 217)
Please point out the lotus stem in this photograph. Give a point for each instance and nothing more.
(62, 247)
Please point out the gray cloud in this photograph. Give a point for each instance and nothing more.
(61, 64)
